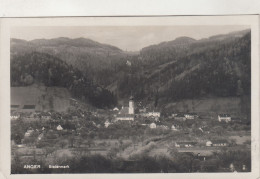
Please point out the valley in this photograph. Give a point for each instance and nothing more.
(175, 107)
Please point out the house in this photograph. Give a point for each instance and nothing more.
(185, 144)
(203, 154)
(154, 114)
(28, 132)
(40, 136)
(115, 109)
(59, 128)
(107, 123)
(152, 125)
(162, 127)
(174, 114)
(174, 128)
(224, 117)
(144, 114)
(190, 115)
(218, 143)
(125, 117)
(209, 143)
(46, 116)
(14, 115)
(180, 117)
(142, 110)
(127, 113)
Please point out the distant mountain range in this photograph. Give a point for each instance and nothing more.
(184, 68)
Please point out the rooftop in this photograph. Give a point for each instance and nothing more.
(186, 142)
(219, 141)
(29, 106)
(224, 115)
(131, 98)
(124, 110)
(125, 115)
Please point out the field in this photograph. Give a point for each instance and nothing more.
(45, 98)
(231, 105)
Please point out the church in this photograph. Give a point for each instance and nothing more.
(127, 113)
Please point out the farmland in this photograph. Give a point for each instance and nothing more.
(45, 98)
(87, 137)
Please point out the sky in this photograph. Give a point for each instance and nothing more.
(130, 38)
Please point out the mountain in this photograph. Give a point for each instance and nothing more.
(78, 42)
(211, 67)
(88, 56)
(185, 68)
(40, 68)
(181, 46)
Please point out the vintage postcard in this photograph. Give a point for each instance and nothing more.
(131, 95)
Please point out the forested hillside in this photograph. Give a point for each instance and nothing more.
(93, 59)
(185, 68)
(204, 68)
(51, 71)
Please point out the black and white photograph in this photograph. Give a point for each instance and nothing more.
(131, 98)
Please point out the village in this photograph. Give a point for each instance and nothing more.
(126, 132)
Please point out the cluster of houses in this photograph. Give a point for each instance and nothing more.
(128, 113)
(184, 116)
(31, 115)
(209, 143)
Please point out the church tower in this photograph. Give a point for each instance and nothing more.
(131, 105)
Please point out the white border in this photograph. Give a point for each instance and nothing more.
(41, 8)
(7, 23)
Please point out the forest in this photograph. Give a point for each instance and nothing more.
(184, 68)
(48, 70)
(222, 70)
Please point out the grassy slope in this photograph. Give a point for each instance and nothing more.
(216, 105)
(45, 98)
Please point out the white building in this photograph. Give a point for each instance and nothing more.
(107, 123)
(174, 114)
(153, 114)
(59, 128)
(185, 144)
(125, 117)
(190, 116)
(219, 143)
(152, 125)
(174, 128)
(28, 132)
(15, 116)
(115, 109)
(209, 143)
(224, 117)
